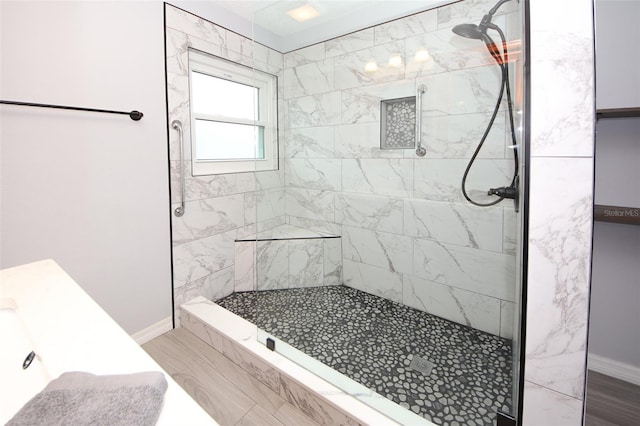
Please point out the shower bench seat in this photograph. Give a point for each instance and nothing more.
(287, 256)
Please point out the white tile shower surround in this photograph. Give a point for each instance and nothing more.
(562, 40)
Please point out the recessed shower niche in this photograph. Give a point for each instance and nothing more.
(398, 123)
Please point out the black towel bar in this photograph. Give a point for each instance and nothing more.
(134, 115)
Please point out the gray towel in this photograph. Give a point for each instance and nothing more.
(77, 398)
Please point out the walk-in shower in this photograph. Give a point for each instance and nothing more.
(357, 252)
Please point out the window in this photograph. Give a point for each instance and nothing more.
(233, 116)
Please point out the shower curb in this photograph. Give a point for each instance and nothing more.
(331, 406)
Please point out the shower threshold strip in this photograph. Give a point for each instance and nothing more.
(299, 384)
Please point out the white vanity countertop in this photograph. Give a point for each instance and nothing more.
(71, 332)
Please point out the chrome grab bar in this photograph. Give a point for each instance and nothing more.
(420, 150)
(177, 125)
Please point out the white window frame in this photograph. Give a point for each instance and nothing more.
(205, 63)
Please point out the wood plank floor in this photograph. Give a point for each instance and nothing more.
(611, 401)
(222, 388)
(233, 397)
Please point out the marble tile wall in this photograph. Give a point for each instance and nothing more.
(561, 198)
(407, 232)
(219, 208)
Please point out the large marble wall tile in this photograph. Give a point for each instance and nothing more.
(321, 226)
(261, 206)
(353, 69)
(306, 265)
(310, 204)
(314, 173)
(389, 251)
(461, 306)
(308, 79)
(440, 179)
(544, 407)
(200, 187)
(332, 261)
(461, 92)
(560, 226)
(212, 287)
(510, 232)
(362, 104)
(186, 22)
(316, 110)
(564, 123)
(371, 279)
(400, 29)
(268, 179)
(443, 51)
(480, 271)
(244, 270)
(507, 319)
(362, 140)
(349, 43)
(199, 258)
(305, 55)
(272, 267)
(371, 212)
(454, 223)
(378, 177)
(311, 142)
(207, 217)
(457, 136)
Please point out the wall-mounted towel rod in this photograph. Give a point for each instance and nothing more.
(134, 115)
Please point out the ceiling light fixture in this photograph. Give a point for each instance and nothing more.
(395, 61)
(303, 13)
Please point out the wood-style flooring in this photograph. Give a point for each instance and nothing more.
(230, 395)
(611, 401)
(233, 397)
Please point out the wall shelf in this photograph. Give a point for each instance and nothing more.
(617, 214)
(618, 112)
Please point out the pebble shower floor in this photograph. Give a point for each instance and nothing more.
(373, 340)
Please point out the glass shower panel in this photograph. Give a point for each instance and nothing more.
(376, 263)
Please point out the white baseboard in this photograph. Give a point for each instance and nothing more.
(619, 370)
(154, 330)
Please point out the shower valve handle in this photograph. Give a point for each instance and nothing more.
(504, 192)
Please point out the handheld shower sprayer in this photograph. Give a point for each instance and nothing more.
(479, 32)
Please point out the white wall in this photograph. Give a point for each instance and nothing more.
(88, 190)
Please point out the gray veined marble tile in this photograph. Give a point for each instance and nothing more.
(389, 177)
(308, 79)
(199, 258)
(355, 69)
(314, 173)
(510, 232)
(461, 92)
(388, 251)
(311, 142)
(458, 136)
(311, 204)
(455, 223)
(484, 272)
(469, 11)
(374, 280)
(543, 407)
(371, 212)
(181, 20)
(507, 319)
(272, 265)
(440, 179)
(332, 261)
(362, 104)
(305, 55)
(400, 29)
(306, 265)
(204, 218)
(324, 227)
(559, 253)
(264, 205)
(316, 110)
(212, 287)
(361, 140)
(244, 266)
(461, 306)
(349, 43)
